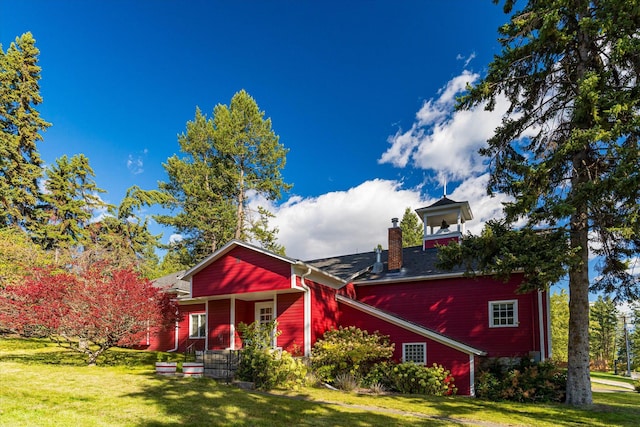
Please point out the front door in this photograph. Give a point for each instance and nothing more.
(264, 315)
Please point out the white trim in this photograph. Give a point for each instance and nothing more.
(541, 327)
(263, 304)
(397, 279)
(472, 375)
(424, 352)
(307, 314)
(274, 339)
(232, 323)
(516, 322)
(410, 326)
(206, 310)
(191, 315)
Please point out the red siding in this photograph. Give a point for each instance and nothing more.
(242, 271)
(459, 309)
(219, 324)
(324, 310)
(428, 244)
(245, 313)
(290, 312)
(455, 361)
(183, 327)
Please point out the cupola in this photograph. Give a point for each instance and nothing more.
(444, 221)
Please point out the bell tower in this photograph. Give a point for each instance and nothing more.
(444, 221)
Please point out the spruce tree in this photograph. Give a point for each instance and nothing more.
(69, 201)
(20, 130)
(412, 231)
(567, 152)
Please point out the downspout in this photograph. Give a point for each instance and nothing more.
(307, 313)
(176, 335)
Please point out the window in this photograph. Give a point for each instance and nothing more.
(197, 325)
(415, 352)
(503, 314)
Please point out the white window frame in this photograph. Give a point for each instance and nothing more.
(202, 316)
(424, 352)
(492, 319)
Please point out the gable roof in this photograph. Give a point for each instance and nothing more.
(410, 326)
(417, 264)
(325, 277)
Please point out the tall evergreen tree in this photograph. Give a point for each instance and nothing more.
(227, 157)
(412, 231)
(603, 317)
(20, 127)
(69, 201)
(560, 325)
(567, 149)
(123, 238)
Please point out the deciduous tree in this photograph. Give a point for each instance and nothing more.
(90, 310)
(567, 149)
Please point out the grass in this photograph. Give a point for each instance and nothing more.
(612, 377)
(43, 385)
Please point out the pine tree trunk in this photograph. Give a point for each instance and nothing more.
(578, 380)
(240, 211)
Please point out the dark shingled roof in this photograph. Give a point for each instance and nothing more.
(443, 202)
(172, 282)
(416, 263)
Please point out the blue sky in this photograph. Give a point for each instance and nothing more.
(360, 92)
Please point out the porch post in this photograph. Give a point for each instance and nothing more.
(232, 324)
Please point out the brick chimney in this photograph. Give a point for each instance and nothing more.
(395, 247)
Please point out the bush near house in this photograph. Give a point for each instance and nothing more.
(411, 378)
(349, 351)
(527, 382)
(265, 367)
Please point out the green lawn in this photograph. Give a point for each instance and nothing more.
(42, 385)
(612, 377)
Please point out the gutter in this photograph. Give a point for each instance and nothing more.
(307, 313)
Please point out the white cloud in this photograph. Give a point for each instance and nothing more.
(483, 206)
(175, 238)
(444, 140)
(135, 162)
(357, 220)
(341, 222)
(466, 60)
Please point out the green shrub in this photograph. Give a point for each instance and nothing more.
(542, 382)
(380, 373)
(265, 367)
(636, 385)
(411, 378)
(349, 350)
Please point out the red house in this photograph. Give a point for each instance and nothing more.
(432, 316)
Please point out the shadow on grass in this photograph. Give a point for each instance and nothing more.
(188, 401)
(47, 352)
